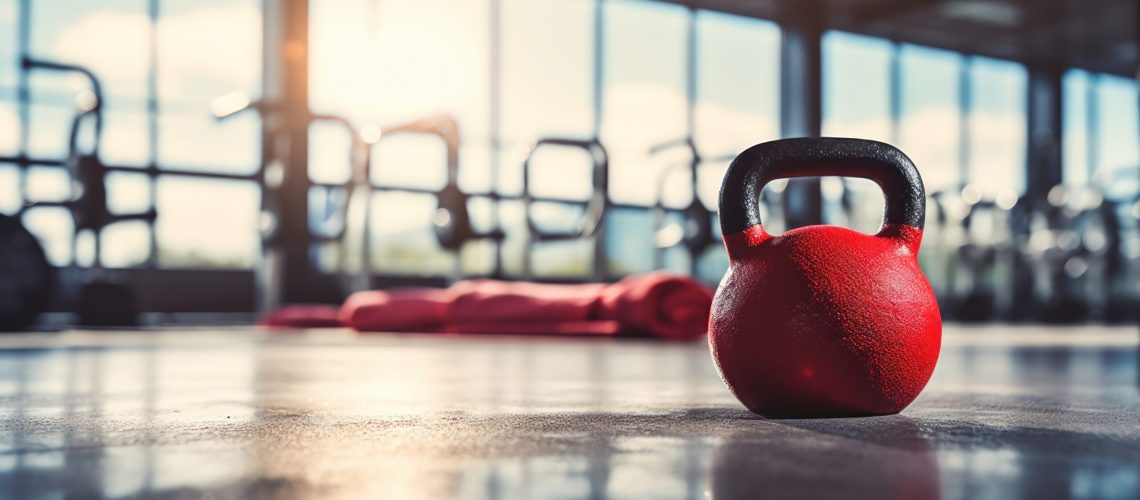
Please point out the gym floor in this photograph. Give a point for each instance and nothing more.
(1031, 412)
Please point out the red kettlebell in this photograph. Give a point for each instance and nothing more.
(824, 320)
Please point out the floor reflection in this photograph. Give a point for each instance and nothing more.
(413, 417)
(878, 457)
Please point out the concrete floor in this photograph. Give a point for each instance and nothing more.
(1011, 412)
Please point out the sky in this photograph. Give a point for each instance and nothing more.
(385, 61)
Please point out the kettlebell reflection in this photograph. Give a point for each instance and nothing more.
(880, 457)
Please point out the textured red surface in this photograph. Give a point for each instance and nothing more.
(825, 321)
(302, 316)
(651, 304)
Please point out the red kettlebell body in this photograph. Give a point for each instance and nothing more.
(824, 320)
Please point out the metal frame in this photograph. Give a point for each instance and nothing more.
(286, 74)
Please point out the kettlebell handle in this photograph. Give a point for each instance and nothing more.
(758, 165)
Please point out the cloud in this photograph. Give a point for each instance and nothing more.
(111, 43)
(211, 51)
(416, 58)
(203, 52)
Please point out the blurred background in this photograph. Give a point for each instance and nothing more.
(200, 161)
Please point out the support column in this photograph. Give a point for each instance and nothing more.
(801, 98)
(965, 114)
(1043, 119)
(285, 82)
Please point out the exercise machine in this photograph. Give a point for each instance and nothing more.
(590, 225)
(983, 274)
(346, 218)
(104, 299)
(451, 221)
(695, 230)
(1068, 238)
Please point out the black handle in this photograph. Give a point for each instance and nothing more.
(895, 174)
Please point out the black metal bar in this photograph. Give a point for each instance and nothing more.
(183, 172)
(1092, 125)
(96, 109)
(494, 117)
(152, 128)
(1043, 130)
(25, 161)
(23, 90)
(965, 105)
(23, 94)
(28, 63)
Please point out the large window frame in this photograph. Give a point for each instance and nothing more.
(497, 147)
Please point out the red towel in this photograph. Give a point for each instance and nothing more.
(491, 301)
(303, 316)
(658, 304)
(408, 310)
(654, 304)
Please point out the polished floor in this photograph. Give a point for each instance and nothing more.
(1024, 412)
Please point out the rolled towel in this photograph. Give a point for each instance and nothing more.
(655, 304)
(408, 310)
(302, 316)
(490, 301)
(658, 304)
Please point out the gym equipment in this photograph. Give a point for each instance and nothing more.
(591, 224)
(592, 221)
(349, 216)
(1124, 276)
(452, 219)
(354, 262)
(694, 232)
(824, 320)
(1090, 272)
(972, 254)
(27, 281)
(982, 282)
(1068, 236)
(1121, 266)
(104, 300)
